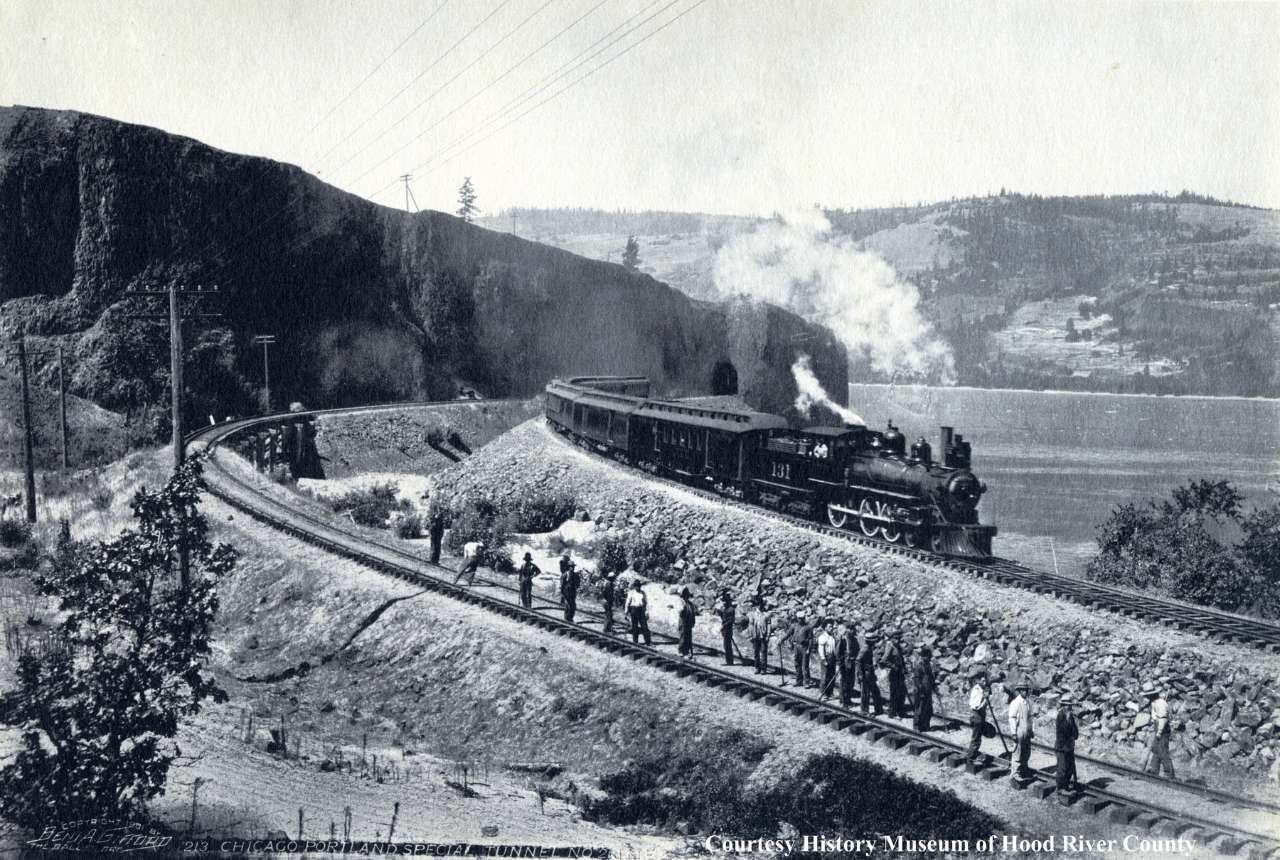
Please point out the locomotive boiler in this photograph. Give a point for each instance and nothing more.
(851, 477)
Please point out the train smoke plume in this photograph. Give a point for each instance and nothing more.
(811, 393)
(798, 264)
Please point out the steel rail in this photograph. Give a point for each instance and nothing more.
(404, 565)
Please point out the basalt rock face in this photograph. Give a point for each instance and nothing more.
(367, 303)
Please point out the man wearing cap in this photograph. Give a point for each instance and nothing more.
(688, 613)
(1160, 725)
(797, 637)
(826, 659)
(435, 530)
(924, 686)
(569, 582)
(979, 696)
(608, 592)
(847, 660)
(728, 614)
(527, 572)
(637, 608)
(897, 675)
(758, 624)
(1020, 727)
(867, 675)
(1064, 744)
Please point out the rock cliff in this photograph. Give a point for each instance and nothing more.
(368, 303)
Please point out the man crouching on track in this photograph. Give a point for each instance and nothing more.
(471, 552)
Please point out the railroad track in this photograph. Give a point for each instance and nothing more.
(1215, 624)
(1139, 813)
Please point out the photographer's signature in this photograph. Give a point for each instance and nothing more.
(100, 836)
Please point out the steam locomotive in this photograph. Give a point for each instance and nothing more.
(851, 476)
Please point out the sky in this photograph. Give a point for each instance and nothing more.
(731, 106)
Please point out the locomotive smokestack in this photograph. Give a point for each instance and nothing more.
(946, 438)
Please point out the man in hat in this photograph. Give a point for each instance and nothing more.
(847, 660)
(435, 531)
(758, 624)
(1064, 744)
(1020, 727)
(1161, 731)
(924, 687)
(979, 697)
(688, 614)
(867, 675)
(826, 659)
(728, 614)
(897, 674)
(637, 609)
(570, 580)
(608, 593)
(471, 551)
(527, 572)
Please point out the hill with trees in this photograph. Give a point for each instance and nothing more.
(1154, 293)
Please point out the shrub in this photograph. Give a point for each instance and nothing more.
(650, 552)
(14, 533)
(372, 506)
(479, 519)
(540, 511)
(409, 527)
(613, 555)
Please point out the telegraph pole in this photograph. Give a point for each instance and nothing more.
(62, 405)
(174, 293)
(408, 195)
(266, 340)
(28, 443)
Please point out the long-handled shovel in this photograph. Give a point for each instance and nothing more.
(999, 732)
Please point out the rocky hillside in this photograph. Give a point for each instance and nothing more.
(1147, 293)
(367, 303)
(1226, 701)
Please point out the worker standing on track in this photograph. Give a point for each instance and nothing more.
(924, 687)
(728, 615)
(569, 582)
(847, 660)
(470, 561)
(1162, 729)
(1020, 728)
(758, 624)
(826, 659)
(608, 592)
(979, 700)
(897, 675)
(688, 614)
(435, 530)
(1064, 744)
(527, 572)
(870, 692)
(637, 607)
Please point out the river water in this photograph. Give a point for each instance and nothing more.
(1056, 463)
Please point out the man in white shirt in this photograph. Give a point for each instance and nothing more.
(1020, 728)
(827, 658)
(470, 561)
(979, 695)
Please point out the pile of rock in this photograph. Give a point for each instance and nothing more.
(1226, 711)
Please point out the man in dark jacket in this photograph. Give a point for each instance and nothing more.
(527, 572)
(867, 675)
(847, 660)
(924, 686)
(800, 638)
(435, 530)
(897, 675)
(728, 614)
(569, 582)
(608, 593)
(688, 614)
(1064, 744)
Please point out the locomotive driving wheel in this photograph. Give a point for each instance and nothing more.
(865, 521)
(891, 531)
(835, 517)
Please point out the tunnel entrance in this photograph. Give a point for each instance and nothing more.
(724, 378)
